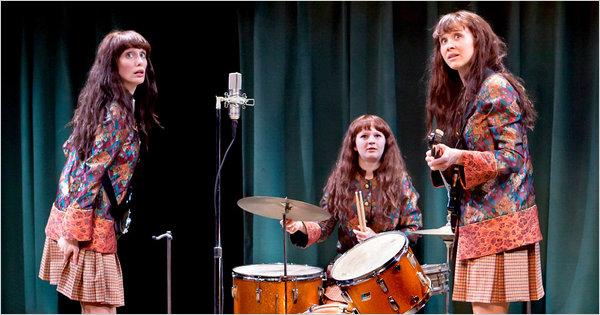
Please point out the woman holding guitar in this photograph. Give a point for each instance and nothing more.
(484, 113)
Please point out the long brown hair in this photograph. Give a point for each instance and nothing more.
(446, 99)
(389, 174)
(104, 86)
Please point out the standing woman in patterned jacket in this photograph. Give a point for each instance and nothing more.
(484, 112)
(370, 162)
(80, 251)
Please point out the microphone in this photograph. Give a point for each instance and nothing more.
(234, 98)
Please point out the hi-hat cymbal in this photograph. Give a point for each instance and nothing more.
(274, 208)
(444, 232)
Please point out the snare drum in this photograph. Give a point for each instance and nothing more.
(439, 275)
(382, 275)
(260, 289)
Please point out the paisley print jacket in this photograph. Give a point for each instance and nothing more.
(498, 210)
(407, 217)
(81, 210)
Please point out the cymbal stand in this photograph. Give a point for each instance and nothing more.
(285, 277)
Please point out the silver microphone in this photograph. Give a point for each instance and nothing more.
(234, 98)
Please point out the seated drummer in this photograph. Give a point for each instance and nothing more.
(369, 162)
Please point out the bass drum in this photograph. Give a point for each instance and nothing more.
(260, 289)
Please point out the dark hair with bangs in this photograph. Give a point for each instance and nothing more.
(389, 174)
(104, 86)
(446, 99)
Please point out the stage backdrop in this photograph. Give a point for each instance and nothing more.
(315, 66)
(312, 67)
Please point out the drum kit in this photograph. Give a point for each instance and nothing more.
(379, 275)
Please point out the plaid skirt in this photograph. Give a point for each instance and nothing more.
(511, 276)
(96, 278)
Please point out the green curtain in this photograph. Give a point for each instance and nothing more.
(37, 106)
(313, 67)
(45, 108)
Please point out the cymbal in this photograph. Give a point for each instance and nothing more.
(444, 232)
(274, 208)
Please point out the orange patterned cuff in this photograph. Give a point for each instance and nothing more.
(78, 224)
(479, 167)
(499, 234)
(95, 234)
(313, 230)
(104, 239)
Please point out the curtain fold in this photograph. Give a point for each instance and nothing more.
(315, 67)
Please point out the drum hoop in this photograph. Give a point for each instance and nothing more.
(377, 271)
(310, 276)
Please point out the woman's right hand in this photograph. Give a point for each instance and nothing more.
(68, 248)
(294, 226)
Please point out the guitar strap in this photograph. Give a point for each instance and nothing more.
(115, 211)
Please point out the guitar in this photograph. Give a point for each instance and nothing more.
(454, 188)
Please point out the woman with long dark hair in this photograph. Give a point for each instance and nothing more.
(369, 162)
(484, 112)
(80, 251)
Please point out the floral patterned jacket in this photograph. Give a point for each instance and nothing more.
(81, 210)
(498, 210)
(407, 217)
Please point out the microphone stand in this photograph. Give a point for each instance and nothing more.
(218, 250)
(169, 237)
(235, 102)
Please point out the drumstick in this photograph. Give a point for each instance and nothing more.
(362, 213)
(360, 223)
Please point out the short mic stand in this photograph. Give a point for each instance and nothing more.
(234, 102)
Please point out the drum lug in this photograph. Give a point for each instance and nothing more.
(422, 279)
(346, 297)
(258, 291)
(398, 267)
(393, 304)
(412, 260)
(234, 291)
(382, 285)
(414, 299)
(295, 291)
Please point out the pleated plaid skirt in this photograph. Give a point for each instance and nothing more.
(96, 278)
(511, 276)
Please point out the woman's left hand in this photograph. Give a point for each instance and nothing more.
(449, 157)
(361, 236)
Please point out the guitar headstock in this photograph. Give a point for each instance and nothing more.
(435, 138)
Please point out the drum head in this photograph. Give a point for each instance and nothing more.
(368, 256)
(276, 270)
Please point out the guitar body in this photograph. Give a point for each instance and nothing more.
(455, 189)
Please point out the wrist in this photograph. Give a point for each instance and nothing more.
(459, 157)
